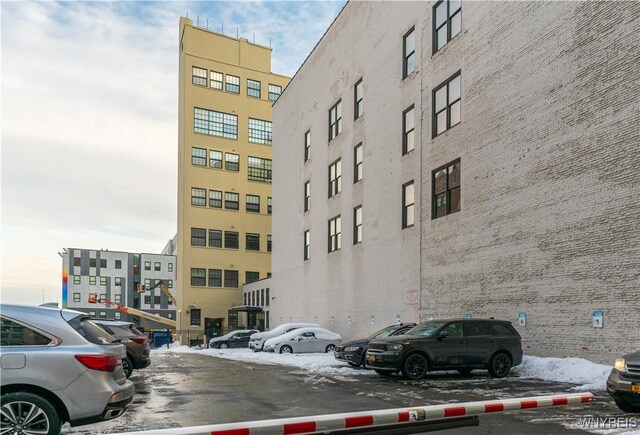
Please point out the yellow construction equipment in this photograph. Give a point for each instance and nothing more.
(93, 299)
(141, 289)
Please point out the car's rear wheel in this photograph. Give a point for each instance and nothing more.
(127, 366)
(626, 406)
(224, 346)
(383, 372)
(27, 413)
(464, 371)
(500, 365)
(330, 348)
(286, 349)
(415, 366)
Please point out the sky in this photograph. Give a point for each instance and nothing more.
(90, 126)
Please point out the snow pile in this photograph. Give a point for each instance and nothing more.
(588, 375)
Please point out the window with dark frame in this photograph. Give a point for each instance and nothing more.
(76, 297)
(103, 280)
(216, 80)
(447, 104)
(335, 178)
(215, 238)
(231, 201)
(170, 267)
(259, 169)
(213, 123)
(307, 195)
(147, 265)
(103, 263)
(408, 205)
(194, 318)
(117, 298)
(231, 162)
(307, 245)
(447, 22)
(252, 242)
(215, 199)
(233, 84)
(253, 203)
(358, 105)
(231, 240)
(92, 262)
(215, 159)
(307, 145)
(260, 131)
(118, 280)
(335, 234)
(250, 277)
(118, 264)
(357, 163)
(408, 53)
(335, 120)
(76, 261)
(157, 266)
(231, 278)
(198, 156)
(357, 224)
(198, 277)
(199, 76)
(446, 189)
(76, 279)
(269, 209)
(198, 237)
(268, 242)
(253, 88)
(408, 130)
(215, 277)
(274, 92)
(198, 196)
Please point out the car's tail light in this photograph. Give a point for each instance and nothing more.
(139, 340)
(103, 363)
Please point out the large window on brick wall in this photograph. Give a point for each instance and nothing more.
(259, 131)
(447, 104)
(274, 92)
(259, 169)
(253, 88)
(447, 22)
(446, 189)
(215, 123)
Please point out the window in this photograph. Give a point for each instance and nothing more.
(231, 162)
(216, 79)
(215, 199)
(92, 314)
(251, 277)
(253, 88)
(233, 84)
(117, 315)
(357, 96)
(307, 195)
(215, 159)
(76, 298)
(199, 76)
(103, 296)
(446, 105)
(215, 238)
(118, 281)
(259, 131)
(335, 120)
(147, 282)
(147, 300)
(198, 196)
(198, 237)
(335, 236)
(357, 224)
(268, 299)
(147, 265)
(409, 53)
(170, 284)
(157, 266)
(92, 280)
(253, 203)
(357, 163)
(274, 92)
(117, 298)
(103, 280)
(103, 314)
(446, 190)
(103, 263)
(194, 318)
(231, 201)
(76, 279)
(92, 262)
(408, 130)
(408, 201)
(231, 278)
(170, 267)
(118, 264)
(15, 334)
(335, 178)
(215, 123)
(269, 209)
(447, 22)
(231, 240)
(76, 261)
(269, 243)
(253, 242)
(215, 278)
(307, 145)
(307, 245)
(259, 169)
(198, 276)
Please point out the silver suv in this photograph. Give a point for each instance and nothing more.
(57, 367)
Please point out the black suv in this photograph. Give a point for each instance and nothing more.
(353, 352)
(454, 344)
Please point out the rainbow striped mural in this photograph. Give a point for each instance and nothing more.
(65, 279)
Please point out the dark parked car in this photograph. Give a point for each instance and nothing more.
(624, 382)
(455, 344)
(136, 342)
(353, 352)
(238, 338)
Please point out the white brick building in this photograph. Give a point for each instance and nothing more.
(532, 109)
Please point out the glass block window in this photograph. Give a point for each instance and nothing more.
(198, 196)
(216, 80)
(231, 162)
(231, 201)
(274, 92)
(233, 84)
(215, 198)
(253, 88)
(199, 76)
(215, 123)
(253, 203)
(259, 131)
(198, 156)
(215, 159)
(259, 169)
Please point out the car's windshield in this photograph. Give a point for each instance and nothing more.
(384, 332)
(426, 329)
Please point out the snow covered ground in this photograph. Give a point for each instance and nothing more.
(586, 375)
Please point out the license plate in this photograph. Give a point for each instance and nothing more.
(371, 357)
(635, 388)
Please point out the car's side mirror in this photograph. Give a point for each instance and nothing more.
(443, 334)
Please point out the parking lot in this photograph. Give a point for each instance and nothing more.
(188, 389)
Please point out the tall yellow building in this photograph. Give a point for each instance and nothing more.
(226, 90)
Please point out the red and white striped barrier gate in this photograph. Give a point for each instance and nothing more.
(374, 419)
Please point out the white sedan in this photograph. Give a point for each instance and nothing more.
(304, 340)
